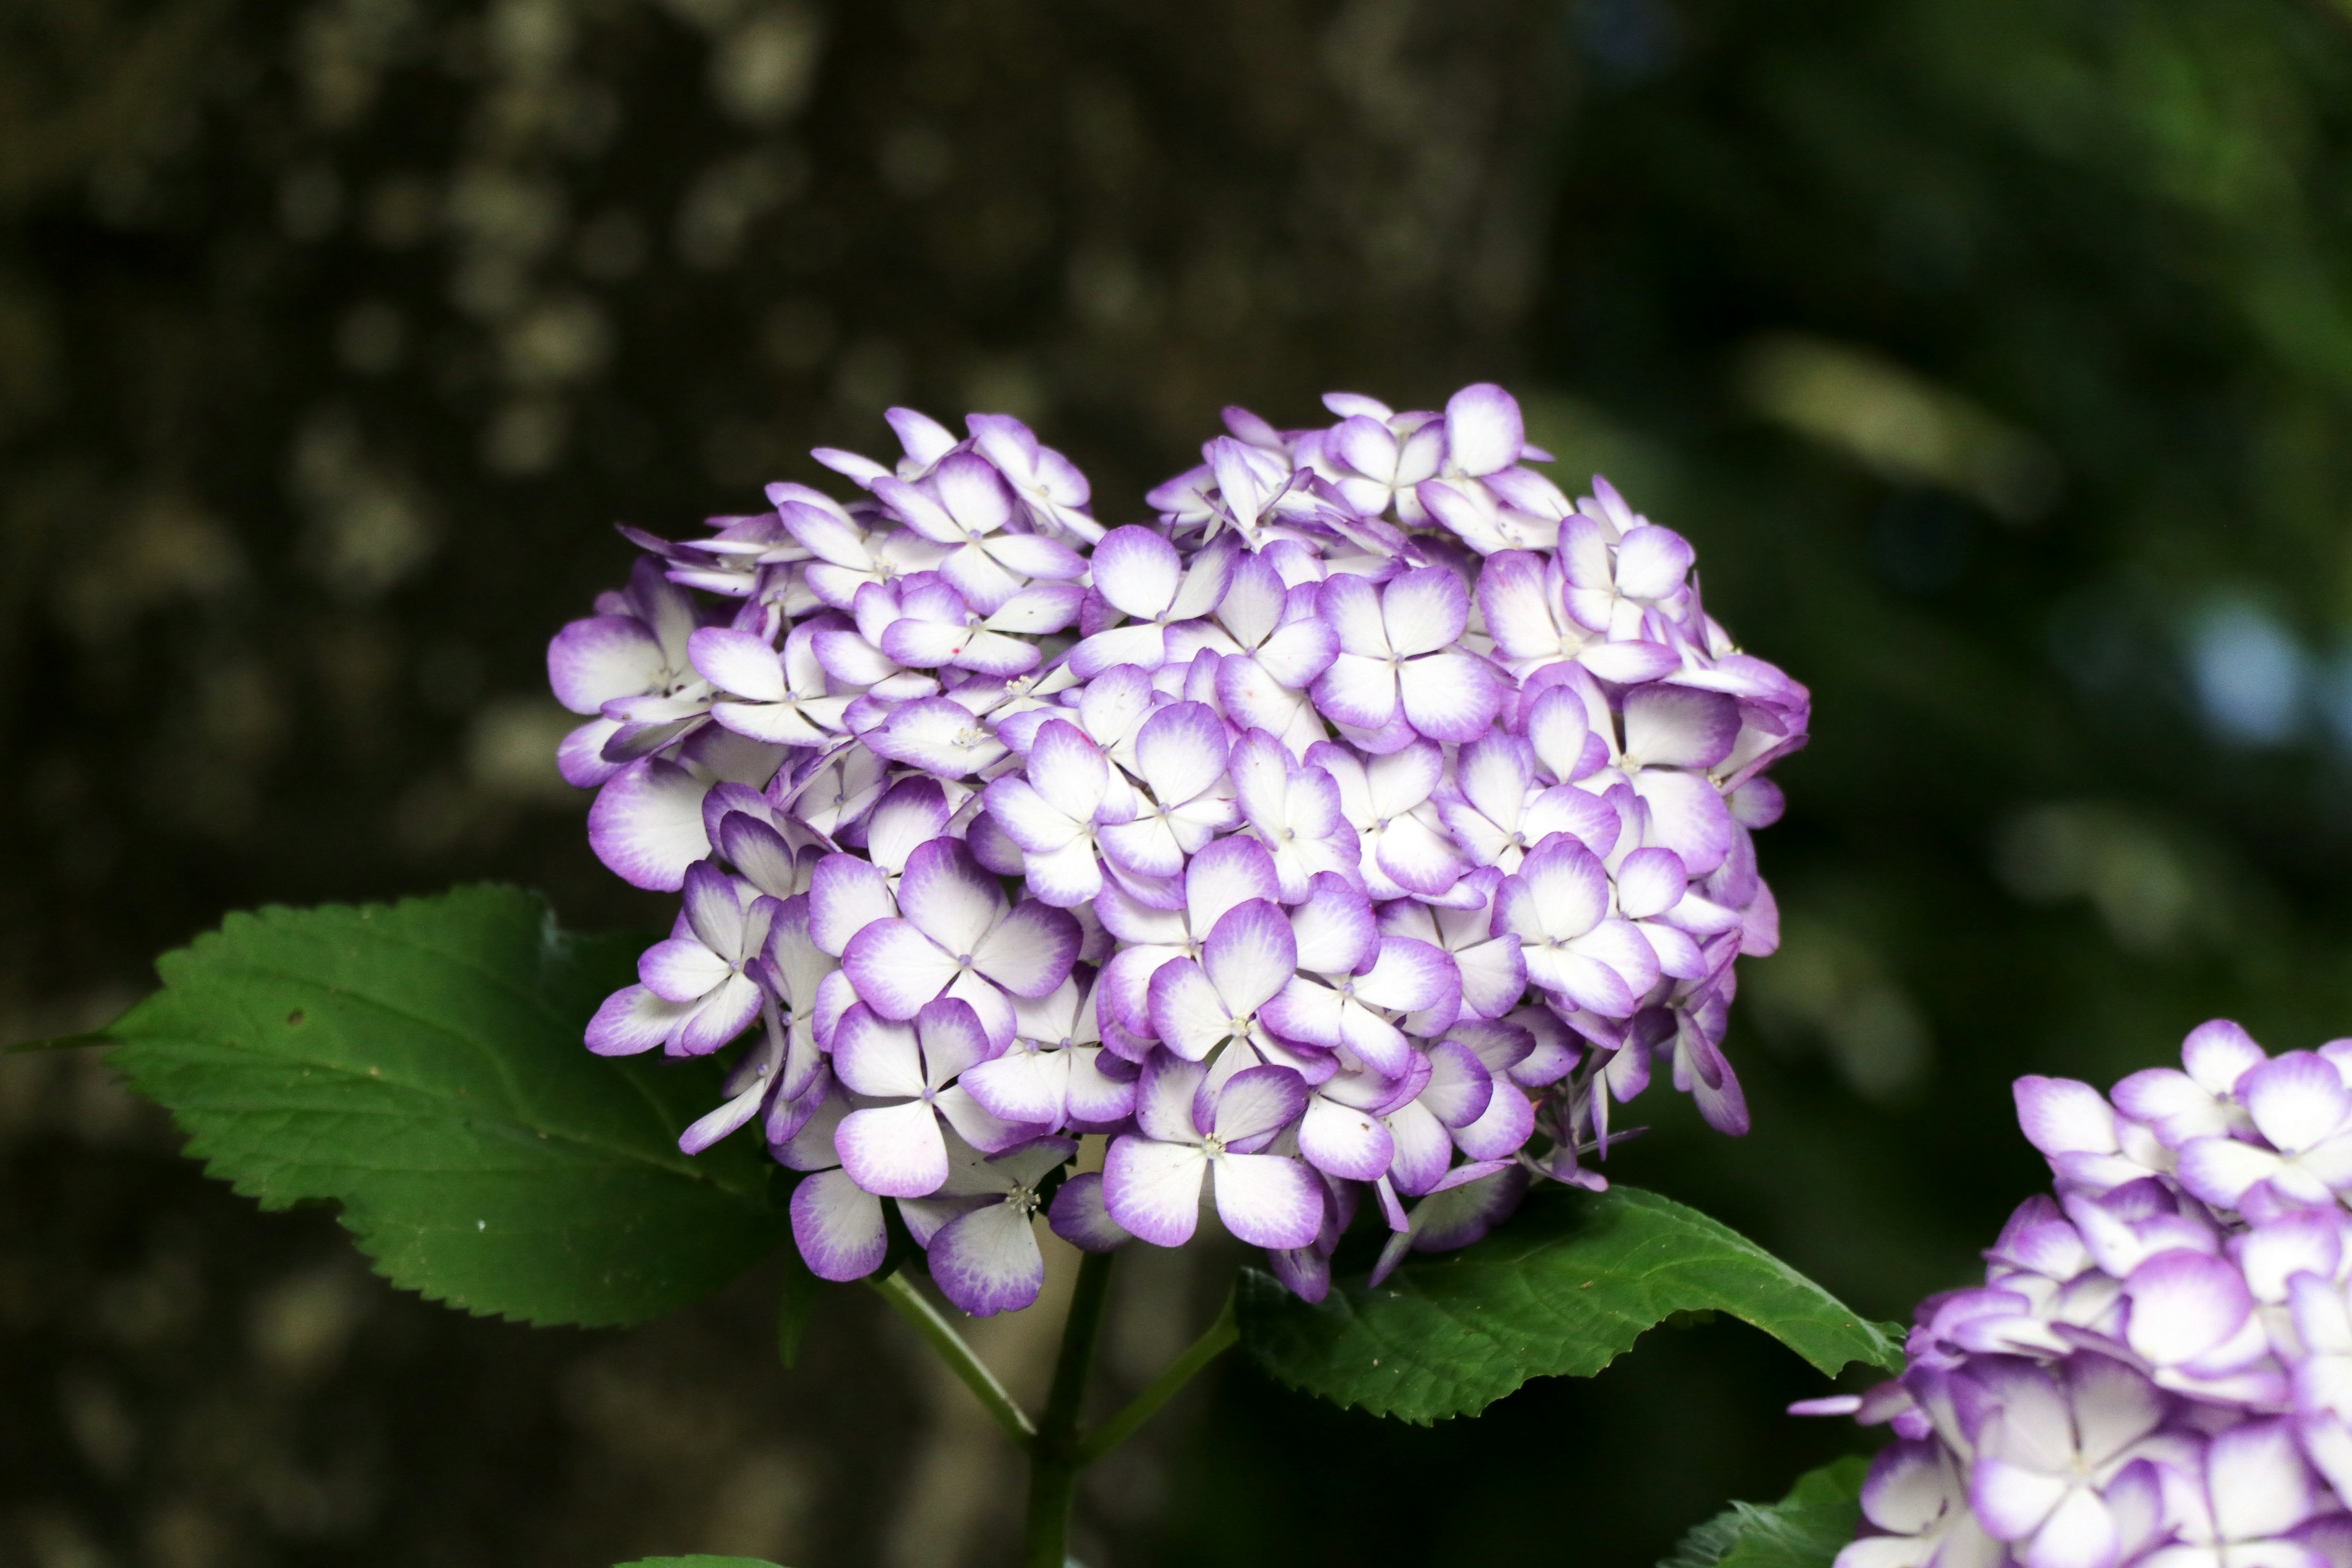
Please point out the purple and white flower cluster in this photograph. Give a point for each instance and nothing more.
(1362, 828)
(2158, 1367)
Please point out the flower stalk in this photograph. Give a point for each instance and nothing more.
(1057, 1452)
(940, 1335)
(1056, 1447)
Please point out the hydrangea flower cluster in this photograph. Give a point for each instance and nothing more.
(1359, 830)
(2159, 1366)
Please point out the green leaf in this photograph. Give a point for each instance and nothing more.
(699, 1561)
(421, 1066)
(802, 1289)
(1562, 1289)
(1804, 1529)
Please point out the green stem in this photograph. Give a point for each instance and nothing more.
(1215, 1341)
(1056, 1455)
(928, 1321)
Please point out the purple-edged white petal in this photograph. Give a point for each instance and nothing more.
(592, 662)
(1137, 571)
(634, 1019)
(1425, 610)
(1030, 950)
(2296, 1099)
(647, 823)
(2218, 1053)
(1250, 955)
(1256, 1103)
(1687, 816)
(1361, 692)
(897, 969)
(739, 663)
(1673, 726)
(1187, 1014)
(846, 896)
(2184, 1304)
(838, 1227)
(1348, 1142)
(892, 1152)
(1153, 1190)
(681, 970)
(874, 1057)
(2064, 1116)
(949, 898)
(1484, 430)
(1447, 696)
(987, 1261)
(1267, 1200)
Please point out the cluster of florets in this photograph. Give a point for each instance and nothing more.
(2158, 1367)
(1361, 829)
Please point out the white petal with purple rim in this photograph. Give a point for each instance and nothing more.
(1687, 816)
(1650, 882)
(2184, 1304)
(846, 896)
(2220, 1171)
(896, 968)
(1030, 950)
(978, 1126)
(593, 661)
(1258, 1102)
(2062, 1116)
(987, 1261)
(2296, 1099)
(1022, 1086)
(1672, 726)
(634, 1019)
(1137, 571)
(646, 825)
(2218, 1053)
(739, 663)
(1484, 430)
(1357, 691)
(1349, 1144)
(838, 1227)
(1153, 1190)
(892, 1152)
(1651, 563)
(1250, 955)
(681, 970)
(949, 898)
(718, 1018)
(1425, 610)
(1186, 1011)
(1266, 1200)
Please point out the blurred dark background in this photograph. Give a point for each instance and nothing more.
(1995, 353)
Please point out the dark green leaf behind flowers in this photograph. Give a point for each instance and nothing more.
(1562, 1290)
(421, 1065)
(1804, 1529)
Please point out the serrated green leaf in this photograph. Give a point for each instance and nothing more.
(699, 1561)
(1807, 1529)
(421, 1064)
(1562, 1289)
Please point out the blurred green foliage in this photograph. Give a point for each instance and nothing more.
(1997, 356)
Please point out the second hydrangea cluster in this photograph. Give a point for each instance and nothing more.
(1359, 831)
(2159, 1366)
